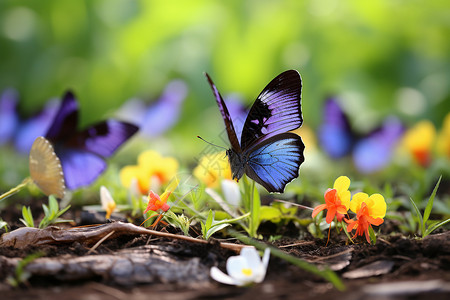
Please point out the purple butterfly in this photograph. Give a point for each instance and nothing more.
(370, 153)
(160, 116)
(82, 153)
(268, 153)
(9, 120)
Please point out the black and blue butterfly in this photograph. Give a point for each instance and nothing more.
(268, 153)
(82, 153)
(371, 152)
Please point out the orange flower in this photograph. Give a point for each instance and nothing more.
(369, 211)
(337, 200)
(156, 202)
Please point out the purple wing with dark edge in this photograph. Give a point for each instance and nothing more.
(374, 152)
(335, 135)
(103, 138)
(276, 110)
(9, 119)
(36, 126)
(231, 132)
(64, 124)
(276, 161)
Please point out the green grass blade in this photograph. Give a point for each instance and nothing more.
(419, 215)
(435, 226)
(429, 206)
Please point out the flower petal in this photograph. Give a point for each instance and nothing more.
(231, 192)
(318, 209)
(220, 276)
(342, 183)
(378, 208)
(235, 264)
(357, 200)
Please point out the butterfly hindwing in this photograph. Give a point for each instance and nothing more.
(80, 167)
(231, 132)
(276, 110)
(275, 162)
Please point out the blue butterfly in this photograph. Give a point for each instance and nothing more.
(82, 153)
(370, 152)
(268, 153)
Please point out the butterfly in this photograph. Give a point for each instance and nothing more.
(9, 120)
(20, 131)
(267, 152)
(161, 115)
(82, 153)
(371, 152)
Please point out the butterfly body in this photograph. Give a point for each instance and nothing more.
(268, 153)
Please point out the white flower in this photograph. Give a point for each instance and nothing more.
(108, 203)
(244, 269)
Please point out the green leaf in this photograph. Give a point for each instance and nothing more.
(419, 215)
(209, 220)
(435, 226)
(214, 229)
(269, 213)
(27, 217)
(429, 206)
(53, 204)
(372, 235)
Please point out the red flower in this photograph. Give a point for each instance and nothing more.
(363, 222)
(334, 206)
(155, 203)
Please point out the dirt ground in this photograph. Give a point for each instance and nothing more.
(397, 267)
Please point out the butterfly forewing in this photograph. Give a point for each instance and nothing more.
(276, 110)
(335, 134)
(231, 132)
(45, 168)
(103, 138)
(276, 161)
(66, 119)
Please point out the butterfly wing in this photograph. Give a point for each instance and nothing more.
(9, 119)
(231, 132)
(374, 152)
(276, 110)
(335, 135)
(65, 122)
(34, 127)
(80, 167)
(103, 138)
(45, 168)
(275, 161)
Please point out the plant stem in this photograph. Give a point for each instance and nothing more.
(16, 189)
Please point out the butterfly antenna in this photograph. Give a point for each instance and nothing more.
(211, 143)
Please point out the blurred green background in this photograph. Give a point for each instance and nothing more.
(380, 57)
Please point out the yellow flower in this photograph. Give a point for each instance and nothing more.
(419, 141)
(341, 185)
(443, 139)
(152, 170)
(213, 167)
(375, 204)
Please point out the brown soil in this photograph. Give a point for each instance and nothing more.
(396, 267)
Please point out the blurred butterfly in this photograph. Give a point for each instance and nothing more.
(22, 132)
(160, 116)
(9, 120)
(82, 153)
(371, 152)
(45, 168)
(267, 152)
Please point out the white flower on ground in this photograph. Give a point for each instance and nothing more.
(231, 192)
(244, 269)
(108, 203)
